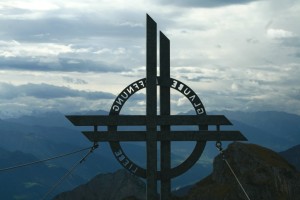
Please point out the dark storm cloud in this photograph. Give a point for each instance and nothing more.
(46, 91)
(58, 29)
(205, 3)
(64, 64)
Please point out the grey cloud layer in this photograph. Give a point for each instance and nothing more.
(50, 29)
(30, 98)
(62, 64)
(45, 91)
(291, 41)
(205, 3)
(76, 32)
(226, 53)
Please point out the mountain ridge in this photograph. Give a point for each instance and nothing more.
(29, 182)
(110, 186)
(264, 174)
(43, 136)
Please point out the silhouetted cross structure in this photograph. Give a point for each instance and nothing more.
(152, 121)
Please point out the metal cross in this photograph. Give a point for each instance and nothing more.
(151, 120)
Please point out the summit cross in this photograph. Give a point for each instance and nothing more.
(158, 127)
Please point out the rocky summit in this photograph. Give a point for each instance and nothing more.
(111, 186)
(264, 174)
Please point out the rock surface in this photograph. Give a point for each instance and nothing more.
(264, 174)
(112, 186)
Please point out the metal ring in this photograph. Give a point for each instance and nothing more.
(121, 156)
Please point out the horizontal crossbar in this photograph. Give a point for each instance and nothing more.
(140, 120)
(110, 136)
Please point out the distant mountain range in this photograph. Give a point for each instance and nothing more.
(30, 182)
(275, 130)
(49, 134)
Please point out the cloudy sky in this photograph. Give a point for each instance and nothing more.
(76, 55)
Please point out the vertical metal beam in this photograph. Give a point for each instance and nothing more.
(151, 107)
(165, 146)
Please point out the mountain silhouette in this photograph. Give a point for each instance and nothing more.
(264, 174)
